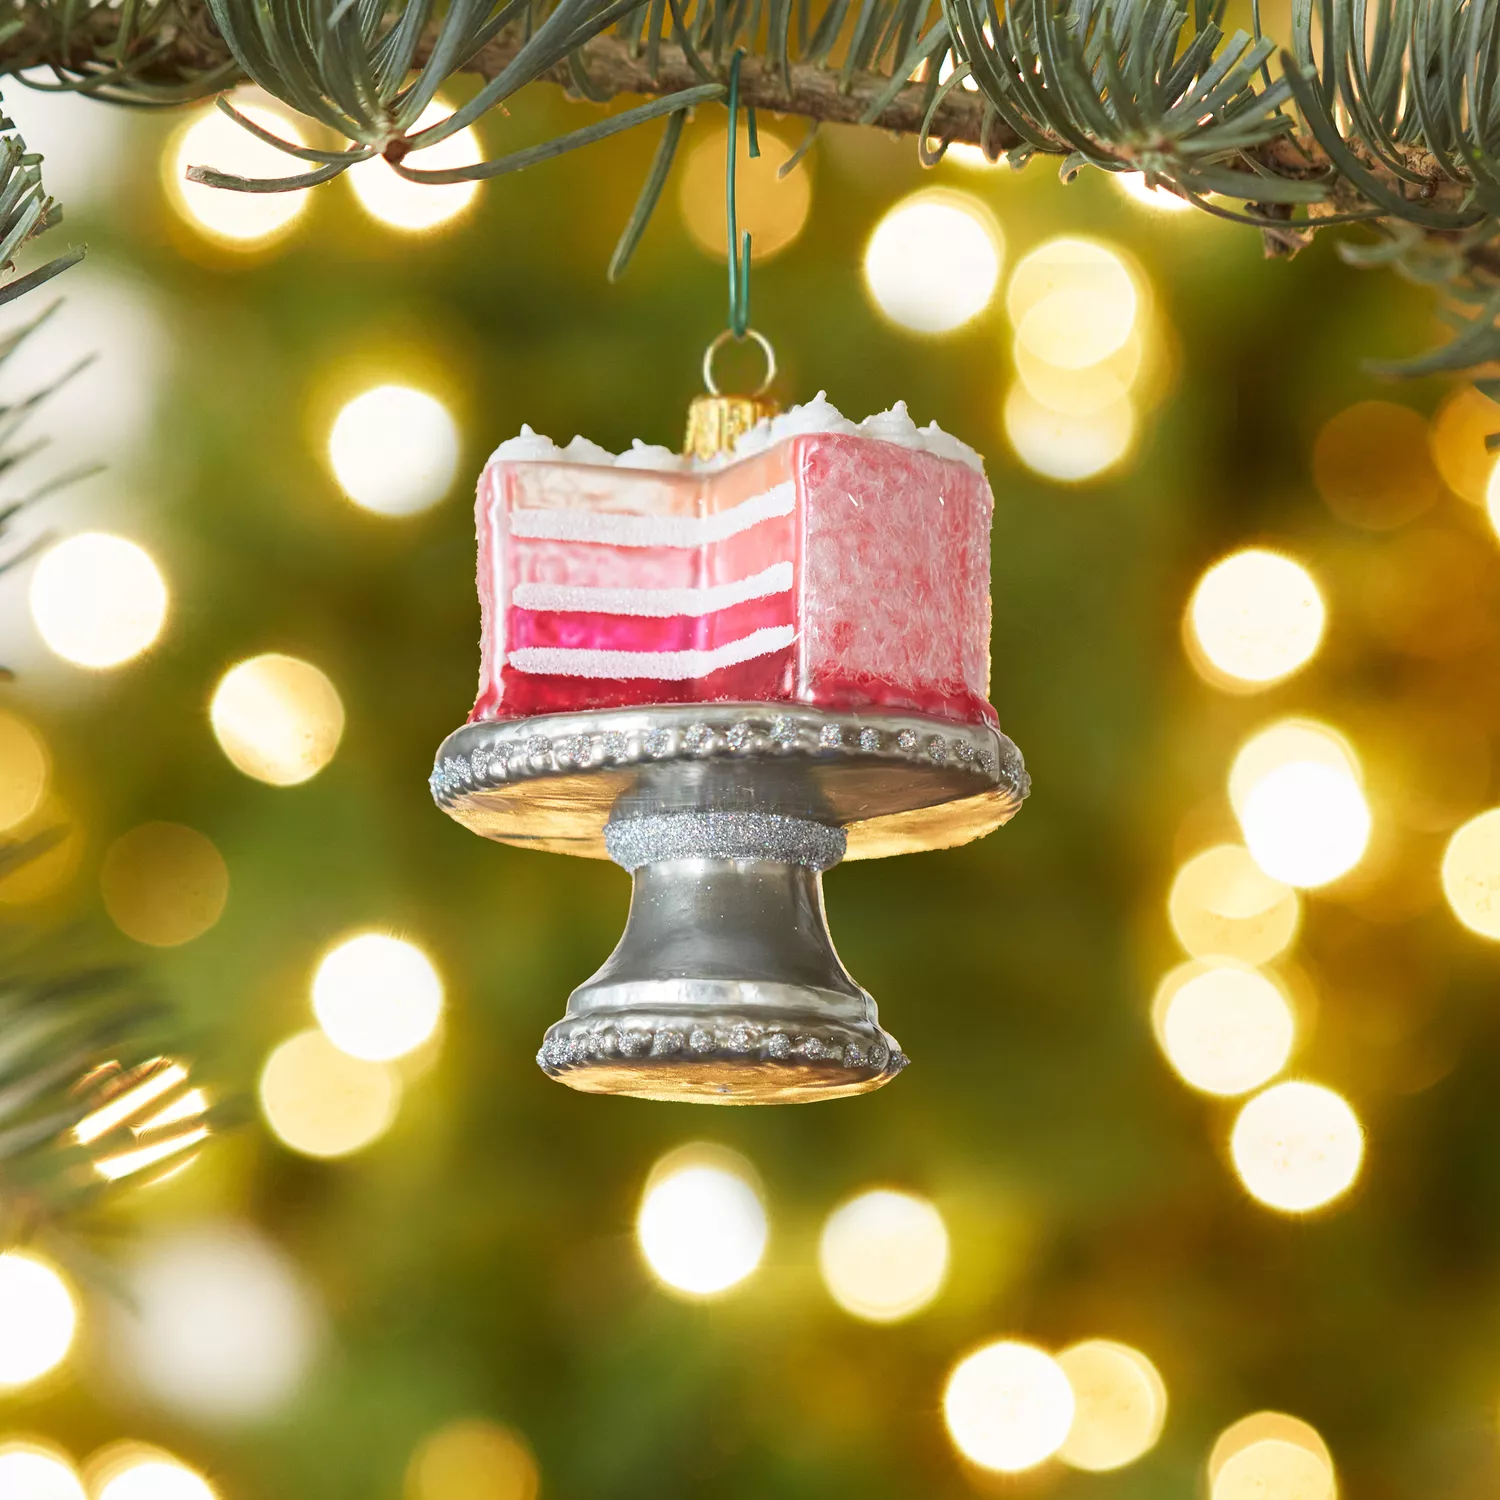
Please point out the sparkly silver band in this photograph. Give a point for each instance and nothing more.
(633, 842)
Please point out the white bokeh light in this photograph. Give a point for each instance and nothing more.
(98, 600)
(1306, 823)
(417, 206)
(154, 1476)
(1297, 1146)
(1257, 617)
(38, 1319)
(220, 1327)
(1008, 1406)
(212, 139)
(701, 1225)
(323, 1103)
(1069, 446)
(1280, 744)
(32, 1471)
(277, 718)
(933, 262)
(394, 450)
(884, 1255)
(1227, 1028)
(377, 997)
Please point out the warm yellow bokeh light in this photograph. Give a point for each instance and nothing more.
(211, 139)
(323, 1103)
(1267, 1426)
(884, 1255)
(1227, 1029)
(159, 1117)
(277, 718)
(38, 1318)
(1121, 1405)
(772, 208)
(1459, 428)
(1297, 1146)
(394, 450)
(418, 206)
(1373, 465)
(1471, 874)
(1222, 904)
(473, 1459)
(44, 874)
(377, 997)
(1073, 302)
(98, 600)
(701, 1226)
(1070, 447)
(1008, 1406)
(1283, 743)
(1305, 823)
(1256, 617)
(933, 262)
(1164, 200)
(24, 770)
(1080, 392)
(164, 884)
(37, 1471)
(147, 1474)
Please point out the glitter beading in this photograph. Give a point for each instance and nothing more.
(633, 842)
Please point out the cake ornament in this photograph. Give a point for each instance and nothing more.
(729, 670)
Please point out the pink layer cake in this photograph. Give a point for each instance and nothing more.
(820, 563)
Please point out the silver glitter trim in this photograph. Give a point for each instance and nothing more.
(633, 842)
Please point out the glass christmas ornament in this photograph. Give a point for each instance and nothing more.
(727, 671)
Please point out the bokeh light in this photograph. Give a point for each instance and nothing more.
(1081, 392)
(38, 1319)
(216, 1324)
(164, 884)
(1226, 1028)
(1008, 1406)
(152, 1108)
(277, 718)
(1459, 428)
(1373, 465)
(323, 1103)
(1305, 823)
(1297, 1146)
(933, 262)
(473, 1459)
(242, 221)
(25, 767)
(1121, 1405)
(1283, 743)
(36, 1471)
(884, 1255)
(701, 1225)
(1271, 1456)
(394, 450)
(1471, 874)
(1073, 302)
(139, 1473)
(1069, 446)
(1163, 200)
(1255, 618)
(416, 207)
(772, 208)
(377, 997)
(1222, 904)
(97, 600)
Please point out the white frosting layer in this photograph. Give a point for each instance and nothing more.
(817, 415)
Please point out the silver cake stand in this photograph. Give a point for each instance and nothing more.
(725, 987)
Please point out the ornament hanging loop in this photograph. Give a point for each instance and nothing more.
(754, 336)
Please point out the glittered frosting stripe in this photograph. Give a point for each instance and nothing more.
(657, 603)
(615, 529)
(664, 666)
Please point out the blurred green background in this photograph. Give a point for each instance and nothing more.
(478, 1260)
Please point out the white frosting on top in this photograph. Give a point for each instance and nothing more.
(817, 415)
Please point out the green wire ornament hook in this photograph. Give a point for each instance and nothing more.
(739, 247)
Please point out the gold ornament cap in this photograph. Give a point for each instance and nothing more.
(716, 421)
